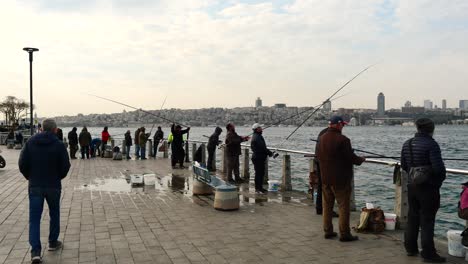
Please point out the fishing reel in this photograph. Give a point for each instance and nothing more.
(275, 154)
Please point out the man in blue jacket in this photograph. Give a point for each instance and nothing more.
(423, 198)
(260, 152)
(44, 163)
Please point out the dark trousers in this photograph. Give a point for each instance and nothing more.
(155, 148)
(85, 151)
(342, 194)
(103, 148)
(73, 150)
(233, 165)
(424, 202)
(178, 156)
(36, 206)
(318, 200)
(211, 156)
(259, 167)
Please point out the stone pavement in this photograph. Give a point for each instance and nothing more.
(105, 220)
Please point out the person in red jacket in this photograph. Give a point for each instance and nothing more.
(104, 137)
(336, 159)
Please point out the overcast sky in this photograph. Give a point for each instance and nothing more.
(208, 53)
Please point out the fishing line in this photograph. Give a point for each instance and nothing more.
(164, 102)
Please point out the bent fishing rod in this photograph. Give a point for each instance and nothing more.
(139, 109)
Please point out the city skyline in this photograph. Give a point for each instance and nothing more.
(210, 53)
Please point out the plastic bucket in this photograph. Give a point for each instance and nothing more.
(455, 247)
(273, 185)
(390, 221)
(149, 179)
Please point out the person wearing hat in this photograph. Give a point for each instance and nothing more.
(233, 150)
(423, 152)
(213, 142)
(336, 159)
(259, 155)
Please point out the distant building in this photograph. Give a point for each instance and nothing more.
(413, 109)
(327, 107)
(408, 104)
(427, 104)
(381, 104)
(258, 102)
(280, 105)
(463, 104)
(444, 104)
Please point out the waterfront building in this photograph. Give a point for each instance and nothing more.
(258, 102)
(463, 104)
(381, 104)
(280, 105)
(427, 104)
(412, 109)
(444, 104)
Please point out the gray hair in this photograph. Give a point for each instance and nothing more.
(49, 125)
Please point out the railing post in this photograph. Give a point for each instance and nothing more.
(224, 160)
(401, 200)
(187, 158)
(245, 165)
(194, 149)
(112, 144)
(286, 185)
(150, 147)
(203, 157)
(352, 201)
(265, 178)
(124, 149)
(166, 149)
(311, 187)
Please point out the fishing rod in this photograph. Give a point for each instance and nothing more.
(139, 109)
(159, 111)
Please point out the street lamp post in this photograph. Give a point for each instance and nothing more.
(30, 51)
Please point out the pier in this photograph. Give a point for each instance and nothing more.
(106, 220)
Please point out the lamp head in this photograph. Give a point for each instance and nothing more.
(27, 49)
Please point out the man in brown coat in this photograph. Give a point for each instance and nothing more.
(233, 150)
(336, 160)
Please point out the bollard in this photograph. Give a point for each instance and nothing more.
(194, 150)
(187, 158)
(245, 165)
(265, 178)
(124, 147)
(312, 189)
(203, 159)
(112, 144)
(352, 201)
(286, 185)
(401, 201)
(150, 147)
(166, 149)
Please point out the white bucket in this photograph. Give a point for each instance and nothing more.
(150, 179)
(273, 185)
(390, 221)
(455, 247)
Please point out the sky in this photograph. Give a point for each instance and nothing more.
(226, 53)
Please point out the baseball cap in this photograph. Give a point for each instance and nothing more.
(336, 120)
(255, 126)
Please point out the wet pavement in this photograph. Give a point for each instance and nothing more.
(106, 219)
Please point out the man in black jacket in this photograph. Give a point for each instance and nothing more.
(44, 163)
(423, 198)
(158, 136)
(259, 155)
(213, 142)
(73, 142)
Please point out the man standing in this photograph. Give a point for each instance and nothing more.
(137, 143)
(233, 150)
(336, 159)
(158, 136)
(73, 142)
(44, 163)
(177, 145)
(259, 156)
(143, 138)
(85, 141)
(213, 142)
(423, 153)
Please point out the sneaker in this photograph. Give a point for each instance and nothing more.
(412, 253)
(330, 235)
(434, 259)
(348, 238)
(53, 246)
(264, 190)
(258, 192)
(36, 258)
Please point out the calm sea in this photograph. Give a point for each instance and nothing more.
(373, 182)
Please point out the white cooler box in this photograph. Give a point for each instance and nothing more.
(136, 179)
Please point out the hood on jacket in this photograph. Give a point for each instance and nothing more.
(218, 130)
(44, 138)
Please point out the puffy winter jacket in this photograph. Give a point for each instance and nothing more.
(258, 146)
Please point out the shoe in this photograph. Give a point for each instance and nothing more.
(143, 158)
(348, 238)
(412, 253)
(36, 257)
(53, 246)
(434, 259)
(259, 192)
(264, 190)
(183, 167)
(330, 235)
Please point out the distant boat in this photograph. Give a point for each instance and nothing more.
(407, 124)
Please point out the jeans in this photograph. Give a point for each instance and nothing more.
(259, 167)
(424, 202)
(127, 148)
(155, 148)
(143, 152)
(85, 151)
(342, 194)
(36, 206)
(137, 150)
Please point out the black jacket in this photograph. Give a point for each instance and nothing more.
(213, 141)
(426, 152)
(258, 146)
(158, 135)
(44, 161)
(72, 138)
(128, 140)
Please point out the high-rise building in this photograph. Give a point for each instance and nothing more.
(444, 104)
(427, 104)
(327, 107)
(463, 104)
(258, 102)
(381, 104)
